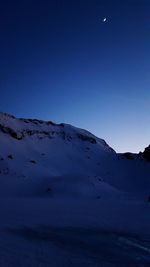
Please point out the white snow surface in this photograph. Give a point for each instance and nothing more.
(68, 199)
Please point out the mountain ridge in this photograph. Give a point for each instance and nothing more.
(18, 127)
(36, 156)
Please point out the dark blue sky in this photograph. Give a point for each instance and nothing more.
(59, 61)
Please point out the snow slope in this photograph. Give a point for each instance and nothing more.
(68, 199)
(37, 157)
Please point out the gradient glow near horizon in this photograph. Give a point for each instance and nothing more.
(59, 61)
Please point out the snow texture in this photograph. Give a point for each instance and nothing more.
(68, 199)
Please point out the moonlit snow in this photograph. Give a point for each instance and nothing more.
(68, 199)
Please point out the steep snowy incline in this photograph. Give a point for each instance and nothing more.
(35, 154)
(40, 157)
(20, 128)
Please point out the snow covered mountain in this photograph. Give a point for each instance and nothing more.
(68, 199)
(40, 157)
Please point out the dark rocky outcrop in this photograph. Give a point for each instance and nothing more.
(10, 131)
(129, 156)
(10, 157)
(146, 153)
(87, 138)
(33, 161)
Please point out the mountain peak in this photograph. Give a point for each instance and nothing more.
(22, 128)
